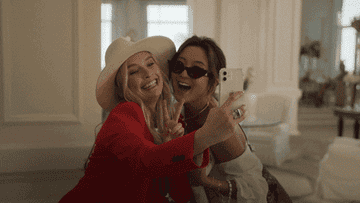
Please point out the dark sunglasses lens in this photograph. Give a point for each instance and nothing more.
(179, 67)
(196, 72)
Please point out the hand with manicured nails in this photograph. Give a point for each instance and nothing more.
(219, 125)
(175, 128)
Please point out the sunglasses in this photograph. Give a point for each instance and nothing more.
(194, 71)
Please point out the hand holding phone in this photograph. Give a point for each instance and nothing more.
(219, 125)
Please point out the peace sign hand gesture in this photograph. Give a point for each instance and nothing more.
(174, 128)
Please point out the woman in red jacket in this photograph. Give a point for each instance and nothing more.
(135, 158)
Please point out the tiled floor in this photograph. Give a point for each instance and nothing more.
(313, 142)
(37, 186)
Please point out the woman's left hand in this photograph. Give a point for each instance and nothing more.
(198, 177)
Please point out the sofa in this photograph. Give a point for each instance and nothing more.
(339, 177)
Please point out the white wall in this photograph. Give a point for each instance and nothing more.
(50, 62)
(206, 18)
(240, 33)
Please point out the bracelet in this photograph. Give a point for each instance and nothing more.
(230, 185)
(218, 187)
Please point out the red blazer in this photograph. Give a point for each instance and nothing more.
(127, 165)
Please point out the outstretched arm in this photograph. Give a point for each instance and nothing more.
(232, 147)
(126, 135)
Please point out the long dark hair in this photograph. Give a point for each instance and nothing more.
(215, 56)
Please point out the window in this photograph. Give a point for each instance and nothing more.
(350, 9)
(171, 21)
(106, 30)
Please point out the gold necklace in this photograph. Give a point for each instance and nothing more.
(198, 113)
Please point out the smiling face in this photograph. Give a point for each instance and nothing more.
(144, 77)
(193, 90)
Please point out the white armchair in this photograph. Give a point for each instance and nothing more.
(266, 128)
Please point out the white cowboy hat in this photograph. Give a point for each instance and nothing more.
(118, 52)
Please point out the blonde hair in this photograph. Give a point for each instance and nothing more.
(125, 94)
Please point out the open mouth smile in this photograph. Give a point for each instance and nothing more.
(151, 85)
(183, 86)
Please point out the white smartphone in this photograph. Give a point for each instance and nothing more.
(231, 80)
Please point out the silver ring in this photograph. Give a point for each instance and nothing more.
(237, 113)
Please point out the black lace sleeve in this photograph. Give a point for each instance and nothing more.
(277, 193)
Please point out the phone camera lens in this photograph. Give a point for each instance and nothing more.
(224, 79)
(225, 73)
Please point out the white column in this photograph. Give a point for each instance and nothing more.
(50, 62)
(239, 39)
(205, 14)
(280, 45)
(265, 35)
